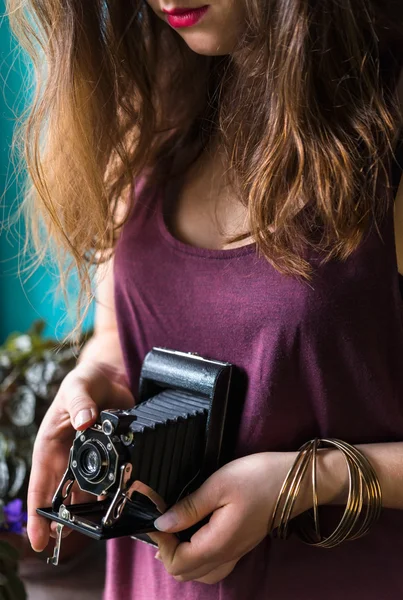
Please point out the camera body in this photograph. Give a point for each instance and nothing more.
(138, 462)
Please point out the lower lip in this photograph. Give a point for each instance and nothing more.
(187, 19)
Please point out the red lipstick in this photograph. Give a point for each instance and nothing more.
(185, 17)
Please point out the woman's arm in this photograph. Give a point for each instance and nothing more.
(104, 345)
(241, 497)
(97, 382)
(387, 460)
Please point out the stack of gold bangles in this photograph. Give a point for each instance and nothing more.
(363, 506)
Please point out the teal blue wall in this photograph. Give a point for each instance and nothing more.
(22, 300)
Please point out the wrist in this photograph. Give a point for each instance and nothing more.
(328, 471)
(331, 481)
(113, 371)
(332, 477)
(103, 349)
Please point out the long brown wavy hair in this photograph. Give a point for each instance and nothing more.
(304, 109)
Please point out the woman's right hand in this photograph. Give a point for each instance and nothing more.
(87, 389)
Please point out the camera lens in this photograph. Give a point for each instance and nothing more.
(93, 461)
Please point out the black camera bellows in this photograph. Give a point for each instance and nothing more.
(168, 440)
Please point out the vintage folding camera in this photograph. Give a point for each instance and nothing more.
(139, 462)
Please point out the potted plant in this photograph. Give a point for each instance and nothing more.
(11, 587)
(31, 370)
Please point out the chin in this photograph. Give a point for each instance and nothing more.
(208, 45)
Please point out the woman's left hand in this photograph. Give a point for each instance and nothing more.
(241, 497)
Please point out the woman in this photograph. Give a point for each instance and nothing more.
(259, 136)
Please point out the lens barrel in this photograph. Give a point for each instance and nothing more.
(93, 461)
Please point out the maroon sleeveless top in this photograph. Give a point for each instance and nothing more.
(321, 359)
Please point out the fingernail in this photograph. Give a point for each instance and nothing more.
(165, 521)
(158, 556)
(84, 416)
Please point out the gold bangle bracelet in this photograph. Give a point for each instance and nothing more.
(295, 487)
(285, 496)
(363, 506)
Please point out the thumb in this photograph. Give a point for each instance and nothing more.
(82, 409)
(189, 510)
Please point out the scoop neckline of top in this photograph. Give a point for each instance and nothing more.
(168, 190)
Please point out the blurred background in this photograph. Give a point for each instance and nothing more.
(24, 297)
(33, 323)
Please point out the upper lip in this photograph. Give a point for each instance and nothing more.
(180, 11)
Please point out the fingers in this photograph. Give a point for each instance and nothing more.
(207, 571)
(167, 541)
(38, 530)
(77, 401)
(214, 544)
(65, 531)
(90, 387)
(41, 488)
(191, 509)
(76, 497)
